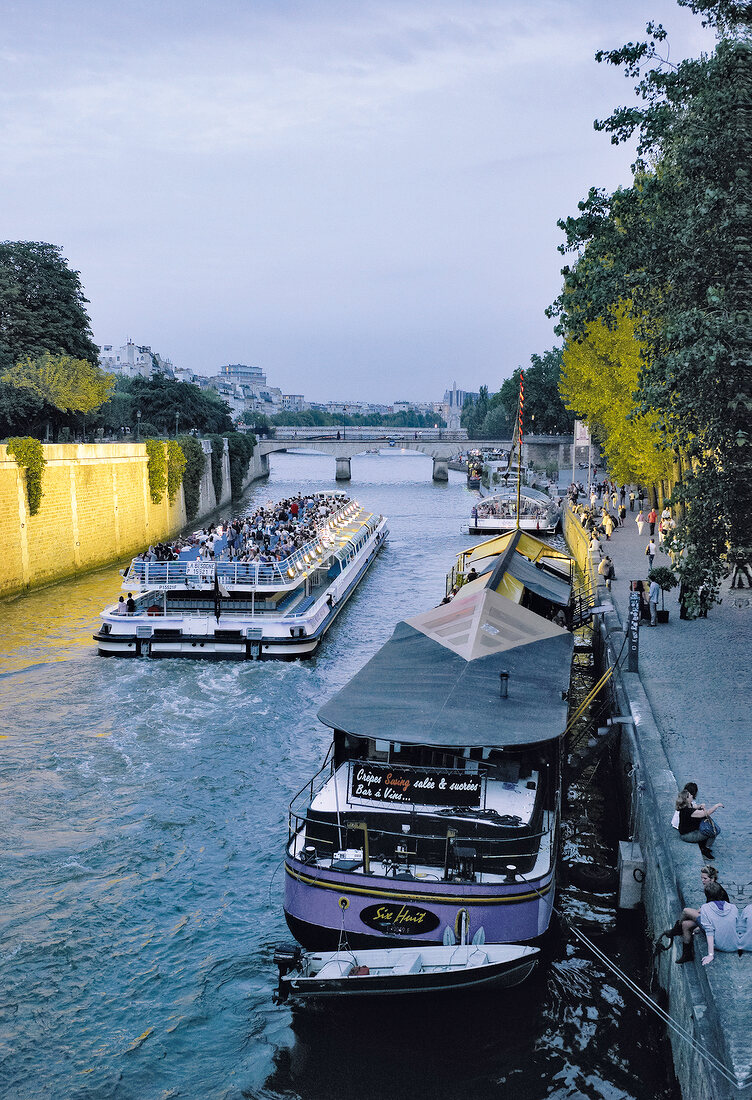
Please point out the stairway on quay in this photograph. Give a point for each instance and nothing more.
(696, 679)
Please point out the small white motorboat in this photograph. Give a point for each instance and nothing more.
(308, 975)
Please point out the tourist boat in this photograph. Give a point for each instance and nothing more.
(440, 794)
(308, 976)
(497, 513)
(243, 610)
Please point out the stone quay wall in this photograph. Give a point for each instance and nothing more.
(712, 1004)
(96, 509)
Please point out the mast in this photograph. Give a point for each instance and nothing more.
(519, 444)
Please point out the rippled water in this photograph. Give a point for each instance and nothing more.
(143, 816)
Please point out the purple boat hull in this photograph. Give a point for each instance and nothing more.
(376, 911)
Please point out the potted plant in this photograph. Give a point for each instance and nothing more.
(665, 580)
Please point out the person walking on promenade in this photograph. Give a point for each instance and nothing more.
(650, 550)
(652, 517)
(606, 570)
(631, 499)
(690, 818)
(653, 593)
(640, 521)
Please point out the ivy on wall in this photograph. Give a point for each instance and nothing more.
(155, 449)
(195, 462)
(176, 463)
(29, 455)
(241, 448)
(217, 454)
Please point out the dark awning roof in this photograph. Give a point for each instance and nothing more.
(538, 580)
(436, 681)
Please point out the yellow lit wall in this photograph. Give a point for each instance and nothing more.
(96, 508)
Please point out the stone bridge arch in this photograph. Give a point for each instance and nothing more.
(442, 452)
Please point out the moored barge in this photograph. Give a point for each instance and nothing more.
(439, 801)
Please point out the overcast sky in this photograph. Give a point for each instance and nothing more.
(358, 196)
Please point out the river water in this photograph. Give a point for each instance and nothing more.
(143, 817)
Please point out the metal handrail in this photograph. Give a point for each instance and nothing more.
(256, 573)
(298, 825)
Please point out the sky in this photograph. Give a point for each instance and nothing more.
(358, 196)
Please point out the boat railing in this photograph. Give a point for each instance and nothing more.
(199, 572)
(454, 847)
(309, 791)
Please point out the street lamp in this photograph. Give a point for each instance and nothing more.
(138, 425)
(177, 417)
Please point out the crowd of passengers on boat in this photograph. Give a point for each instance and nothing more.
(270, 534)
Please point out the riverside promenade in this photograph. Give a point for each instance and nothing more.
(691, 710)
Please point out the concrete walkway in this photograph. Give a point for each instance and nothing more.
(696, 676)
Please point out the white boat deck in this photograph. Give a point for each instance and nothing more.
(506, 798)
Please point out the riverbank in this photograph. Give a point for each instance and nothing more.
(689, 705)
(96, 509)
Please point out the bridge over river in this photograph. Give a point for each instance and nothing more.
(442, 449)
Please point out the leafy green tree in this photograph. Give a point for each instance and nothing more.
(42, 305)
(158, 399)
(544, 412)
(497, 424)
(69, 385)
(66, 386)
(599, 381)
(21, 410)
(677, 245)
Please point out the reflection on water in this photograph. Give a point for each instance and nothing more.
(144, 819)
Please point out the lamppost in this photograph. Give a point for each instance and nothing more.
(344, 426)
(138, 425)
(177, 417)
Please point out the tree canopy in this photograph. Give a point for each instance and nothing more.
(545, 412)
(158, 400)
(677, 247)
(67, 384)
(599, 382)
(42, 305)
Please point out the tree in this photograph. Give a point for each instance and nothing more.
(474, 413)
(42, 305)
(65, 386)
(544, 412)
(497, 424)
(159, 399)
(599, 382)
(677, 246)
(21, 410)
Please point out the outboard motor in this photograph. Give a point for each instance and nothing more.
(287, 957)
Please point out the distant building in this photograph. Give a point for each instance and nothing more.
(134, 361)
(293, 402)
(243, 375)
(452, 406)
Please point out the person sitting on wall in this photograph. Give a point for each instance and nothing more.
(689, 921)
(689, 822)
(718, 921)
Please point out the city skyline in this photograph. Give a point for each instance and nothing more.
(356, 200)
